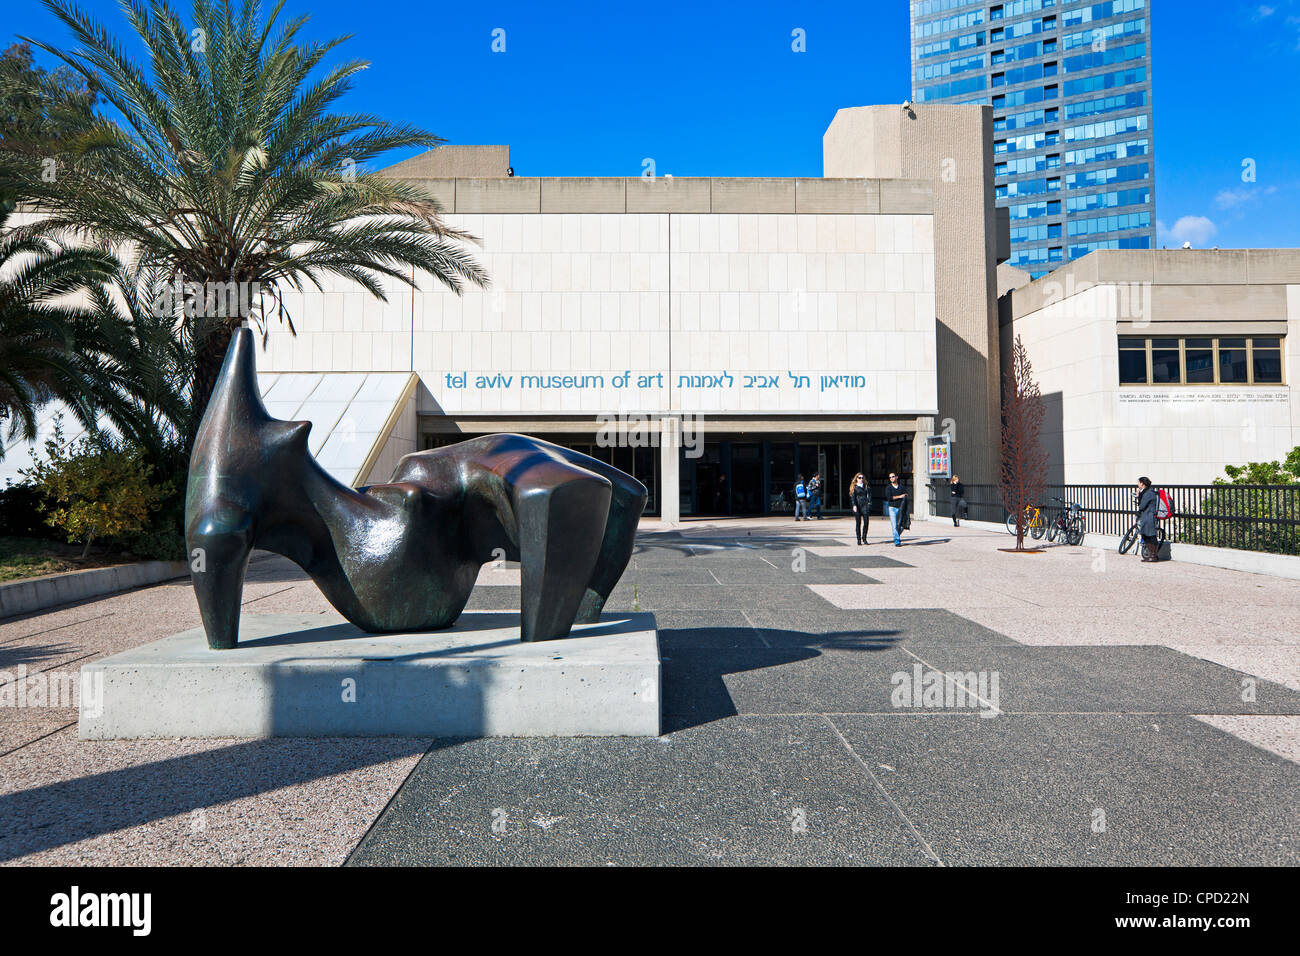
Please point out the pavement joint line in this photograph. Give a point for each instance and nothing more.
(1015, 597)
(272, 594)
(396, 793)
(757, 632)
(34, 740)
(53, 667)
(996, 709)
(60, 627)
(712, 575)
(929, 851)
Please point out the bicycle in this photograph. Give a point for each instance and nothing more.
(1132, 535)
(1035, 523)
(1068, 523)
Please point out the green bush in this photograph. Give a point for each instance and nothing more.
(93, 489)
(1257, 519)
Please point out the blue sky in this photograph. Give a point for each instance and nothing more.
(587, 88)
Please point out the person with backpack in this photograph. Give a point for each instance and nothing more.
(860, 498)
(1148, 505)
(800, 500)
(958, 493)
(815, 494)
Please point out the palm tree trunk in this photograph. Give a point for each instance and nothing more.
(211, 354)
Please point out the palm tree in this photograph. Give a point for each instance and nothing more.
(226, 166)
(142, 364)
(43, 334)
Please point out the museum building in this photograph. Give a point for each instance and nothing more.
(719, 337)
(713, 337)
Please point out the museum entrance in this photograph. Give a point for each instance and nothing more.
(756, 475)
(751, 475)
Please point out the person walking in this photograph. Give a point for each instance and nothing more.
(958, 493)
(895, 507)
(800, 500)
(1148, 503)
(860, 498)
(815, 493)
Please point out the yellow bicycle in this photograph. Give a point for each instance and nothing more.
(1035, 523)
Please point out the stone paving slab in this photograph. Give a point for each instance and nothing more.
(793, 679)
(1279, 665)
(1108, 626)
(769, 792)
(1274, 733)
(865, 597)
(1024, 790)
(1113, 680)
(757, 642)
(65, 801)
(821, 626)
(19, 731)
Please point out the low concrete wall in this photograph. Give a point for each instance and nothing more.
(36, 594)
(1252, 562)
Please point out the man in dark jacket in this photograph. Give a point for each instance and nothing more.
(1148, 502)
(896, 508)
(958, 493)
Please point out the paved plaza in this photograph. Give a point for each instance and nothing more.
(1119, 713)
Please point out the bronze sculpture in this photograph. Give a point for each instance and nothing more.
(404, 555)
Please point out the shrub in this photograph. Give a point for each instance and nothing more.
(93, 489)
(1257, 508)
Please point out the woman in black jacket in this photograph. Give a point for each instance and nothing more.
(1148, 502)
(860, 497)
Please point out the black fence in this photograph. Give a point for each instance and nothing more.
(1245, 517)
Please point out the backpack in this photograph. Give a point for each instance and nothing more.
(799, 491)
(1165, 509)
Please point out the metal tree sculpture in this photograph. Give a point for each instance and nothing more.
(1024, 460)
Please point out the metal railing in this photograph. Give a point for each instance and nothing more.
(1244, 517)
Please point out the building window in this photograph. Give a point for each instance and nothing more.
(1132, 361)
(1200, 360)
(1266, 360)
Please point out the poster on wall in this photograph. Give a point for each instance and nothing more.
(938, 449)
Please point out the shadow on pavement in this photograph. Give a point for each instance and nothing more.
(57, 814)
(696, 661)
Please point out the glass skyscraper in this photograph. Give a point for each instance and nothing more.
(1070, 86)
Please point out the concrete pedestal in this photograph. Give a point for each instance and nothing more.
(295, 676)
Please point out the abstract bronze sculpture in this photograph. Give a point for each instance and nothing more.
(404, 555)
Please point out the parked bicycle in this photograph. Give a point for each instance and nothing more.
(1068, 524)
(1035, 523)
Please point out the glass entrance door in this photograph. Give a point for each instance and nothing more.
(746, 478)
